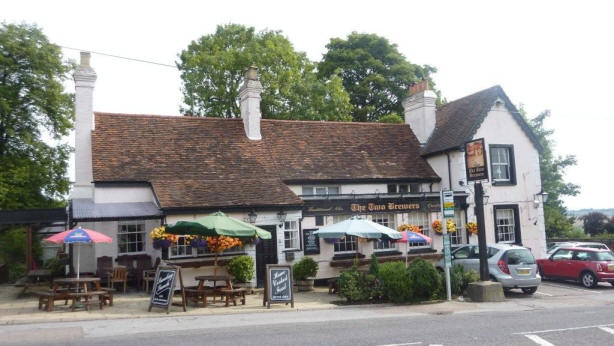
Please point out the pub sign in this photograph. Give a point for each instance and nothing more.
(475, 160)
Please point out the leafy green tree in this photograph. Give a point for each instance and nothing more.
(552, 169)
(392, 118)
(375, 74)
(34, 111)
(595, 223)
(212, 69)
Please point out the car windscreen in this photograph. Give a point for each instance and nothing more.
(519, 256)
(602, 256)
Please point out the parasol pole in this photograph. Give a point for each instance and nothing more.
(78, 259)
(406, 252)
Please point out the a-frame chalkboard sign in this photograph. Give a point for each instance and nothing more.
(164, 288)
(278, 285)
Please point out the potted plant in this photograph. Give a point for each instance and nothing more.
(242, 270)
(304, 272)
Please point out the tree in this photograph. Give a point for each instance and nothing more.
(392, 118)
(552, 169)
(594, 223)
(375, 74)
(34, 111)
(212, 69)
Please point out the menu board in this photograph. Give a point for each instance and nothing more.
(278, 285)
(164, 287)
(311, 242)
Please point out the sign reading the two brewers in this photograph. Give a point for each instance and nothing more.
(475, 160)
(311, 242)
(278, 285)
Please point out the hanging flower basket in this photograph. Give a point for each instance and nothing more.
(161, 239)
(411, 228)
(437, 227)
(472, 227)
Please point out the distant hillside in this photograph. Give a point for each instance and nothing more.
(581, 212)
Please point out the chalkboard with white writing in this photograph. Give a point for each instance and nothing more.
(278, 285)
(311, 242)
(164, 287)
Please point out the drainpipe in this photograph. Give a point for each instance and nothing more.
(449, 171)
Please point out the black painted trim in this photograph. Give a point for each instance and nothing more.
(517, 229)
(512, 181)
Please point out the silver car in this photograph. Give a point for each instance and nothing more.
(511, 265)
(555, 246)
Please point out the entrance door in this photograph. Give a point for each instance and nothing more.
(266, 253)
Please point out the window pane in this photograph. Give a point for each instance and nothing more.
(320, 220)
(333, 190)
(307, 190)
(392, 188)
(505, 225)
(320, 190)
(414, 188)
(403, 188)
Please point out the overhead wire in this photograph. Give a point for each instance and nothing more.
(120, 57)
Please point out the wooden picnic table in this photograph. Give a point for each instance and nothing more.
(77, 288)
(199, 293)
(36, 276)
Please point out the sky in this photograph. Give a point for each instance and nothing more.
(556, 55)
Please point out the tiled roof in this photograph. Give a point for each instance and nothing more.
(458, 121)
(209, 162)
(315, 150)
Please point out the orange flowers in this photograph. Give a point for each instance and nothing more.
(472, 227)
(411, 228)
(221, 243)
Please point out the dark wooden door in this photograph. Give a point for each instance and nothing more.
(266, 253)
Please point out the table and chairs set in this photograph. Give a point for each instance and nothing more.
(214, 286)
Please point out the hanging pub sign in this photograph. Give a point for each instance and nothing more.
(278, 285)
(311, 242)
(475, 160)
(164, 288)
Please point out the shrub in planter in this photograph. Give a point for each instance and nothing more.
(395, 282)
(304, 271)
(241, 268)
(425, 279)
(305, 268)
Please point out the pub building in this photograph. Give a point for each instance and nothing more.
(138, 172)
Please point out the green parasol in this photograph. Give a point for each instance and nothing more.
(217, 224)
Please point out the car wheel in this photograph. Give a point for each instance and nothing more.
(529, 290)
(588, 279)
(612, 283)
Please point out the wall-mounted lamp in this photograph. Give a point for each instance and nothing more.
(252, 217)
(540, 198)
(281, 216)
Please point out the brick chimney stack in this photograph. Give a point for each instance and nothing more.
(85, 79)
(249, 103)
(420, 110)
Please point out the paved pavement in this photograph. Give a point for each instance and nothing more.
(559, 313)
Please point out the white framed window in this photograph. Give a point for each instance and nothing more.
(291, 235)
(320, 190)
(458, 237)
(421, 220)
(502, 164)
(388, 221)
(346, 245)
(506, 225)
(404, 188)
(183, 249)
(131, 237)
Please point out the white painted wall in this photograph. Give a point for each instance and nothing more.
(499, 127)
(123, 194)
(358, 188)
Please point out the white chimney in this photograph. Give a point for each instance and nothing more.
(85, 78)
(420, 110)
(249, 103)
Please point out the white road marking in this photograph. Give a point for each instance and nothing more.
(536, 339)
(545, 294)
(571, 288)
(607, 329)
(564, 329)
(406, 344)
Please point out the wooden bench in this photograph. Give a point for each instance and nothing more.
(76, 296)
(197, 295)
(47, 298)
(234, 293)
